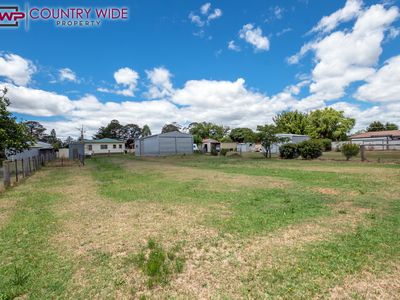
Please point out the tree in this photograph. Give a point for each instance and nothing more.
(171, 127)
(13, 136)
(267, 136)
(129, 133)
(52, 139)
(242, 135)
(36, 129)
(146, 130)
(329, 123)
(292, 122)
(113, 131)
(376, 126)
(205, 130)
(391, 126)
(379, 126)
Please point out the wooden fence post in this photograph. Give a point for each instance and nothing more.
(16, 170)
(6, 172)
(362, 151)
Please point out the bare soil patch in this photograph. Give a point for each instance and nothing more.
(367, 285)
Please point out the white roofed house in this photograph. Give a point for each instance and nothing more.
(290, 138)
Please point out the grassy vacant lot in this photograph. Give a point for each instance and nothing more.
(203, 227)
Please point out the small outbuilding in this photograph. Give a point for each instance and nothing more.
(170, 143)
(290, 138)
(36, 149)
(210, 145)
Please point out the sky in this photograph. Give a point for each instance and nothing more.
(236, 63)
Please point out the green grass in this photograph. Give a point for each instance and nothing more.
(29, 265)
(143, 263)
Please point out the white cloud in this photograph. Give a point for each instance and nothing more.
(127, 78)
(37, 102)
(278, 12)
(195, 19)
(233, 46)
(254, 36)
(16, 69)
(207, 17)
(161, 85)
(351, 10)
(217, 13)
(67, 74)
(343, 58)
(205, 8)
(384, 85)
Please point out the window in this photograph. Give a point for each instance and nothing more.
(90, 147)
(114, 146)
(120, 146)
(103, 147)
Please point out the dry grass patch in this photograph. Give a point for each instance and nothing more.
(367, 285)
(209, 179)
(218, 265)
(6, 208)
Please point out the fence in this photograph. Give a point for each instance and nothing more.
(15, 170)
(389, 153)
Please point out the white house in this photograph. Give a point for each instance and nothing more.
(104, 146)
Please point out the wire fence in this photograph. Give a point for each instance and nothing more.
(389, 153)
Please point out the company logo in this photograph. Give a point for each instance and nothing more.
(10, 16)
(61, 17)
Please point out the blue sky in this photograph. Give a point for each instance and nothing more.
(171, 61)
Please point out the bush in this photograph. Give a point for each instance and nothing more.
(326, 144)
(310, 149)
(289, 151)
(224, 152)
(350, 150)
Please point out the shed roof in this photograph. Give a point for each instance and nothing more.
(167, 134)
(372, 134)
(212, 141)
(105, 140)
(42, 145)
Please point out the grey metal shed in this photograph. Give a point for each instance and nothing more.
(170, 143)
(291, 138)
(76, 150)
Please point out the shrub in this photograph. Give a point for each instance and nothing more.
(224, 152)
(289, 151)
(350, 150)
(326, 144)
(310, 149)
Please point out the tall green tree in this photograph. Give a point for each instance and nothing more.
(292, 122)
(330, 124)
(379, 126)
(14, 136)
(391, 126)
(129, 133)
(376, 126)
(113, 131)
(36, 129)
(242, 135)
(267, 136)
(205, 130)
(146, 130)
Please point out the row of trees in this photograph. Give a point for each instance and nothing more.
(325, 123)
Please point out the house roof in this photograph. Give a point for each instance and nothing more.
(105, 140)
(212, 141)
(41, 145)
(372, 134)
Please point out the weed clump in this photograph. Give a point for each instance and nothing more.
(158, 264)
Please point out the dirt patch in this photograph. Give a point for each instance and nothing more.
(368, 285)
